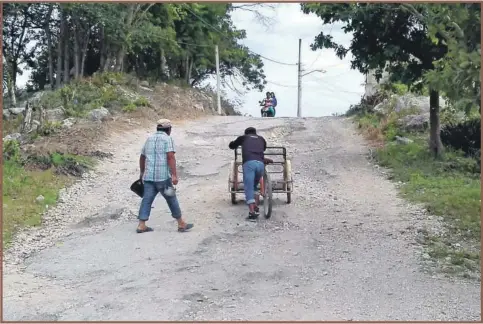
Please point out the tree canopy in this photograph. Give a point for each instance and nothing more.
(157, 41)
(431, 45)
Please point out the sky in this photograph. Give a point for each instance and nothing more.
(323, 94)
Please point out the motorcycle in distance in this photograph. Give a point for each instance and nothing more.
(265, 110)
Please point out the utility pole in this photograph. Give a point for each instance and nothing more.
(218, 90)
(299, 97)
(300, 75)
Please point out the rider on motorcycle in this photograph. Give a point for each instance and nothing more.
(274, 103)
(267, 105)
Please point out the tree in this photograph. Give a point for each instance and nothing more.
(17, 19)
(156, 41)
(393, 34)
(457, 74)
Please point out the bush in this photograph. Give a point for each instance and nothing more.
(396, 88)
(65, 164)
(130, 107)
(464, 136)
(82, 96)
(367, 104)
(141, 102)
(11, 151)
(50, 127)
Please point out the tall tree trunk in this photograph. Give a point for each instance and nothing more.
(102, 50)
(84, 52)
(66, 51)
(60, 40)
(163, 65)
(48, 35)
(11, 88)
(13, 83)
(77, 47)
(119, 59)
(180, 72)
(190, 69)
(51, 59)
(127, 26)
(107, 63)
(187, 69)
(141, 71)
(435, 144)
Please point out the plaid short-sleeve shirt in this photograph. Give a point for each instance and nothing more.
(155, 150)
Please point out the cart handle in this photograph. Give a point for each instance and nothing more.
(284, 151)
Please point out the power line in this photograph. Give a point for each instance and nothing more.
(282, 85)
(328, 87)
(223, 35)
(334, 97)
(274, 61)
(333, 85)
(336, 89)
(326, 77)
(184, 43)
(333, 88)
(333, 65)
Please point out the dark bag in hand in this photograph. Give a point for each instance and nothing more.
(138, 188)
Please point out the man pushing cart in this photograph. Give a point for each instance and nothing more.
(253, 151)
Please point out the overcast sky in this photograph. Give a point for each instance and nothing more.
(322, 94)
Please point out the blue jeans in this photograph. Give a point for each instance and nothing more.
(252, 173)
(151, 190)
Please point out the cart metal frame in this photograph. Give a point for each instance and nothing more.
(283, 186)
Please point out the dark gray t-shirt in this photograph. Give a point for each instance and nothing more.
(252, 145)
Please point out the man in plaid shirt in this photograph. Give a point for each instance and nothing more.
(158, 173)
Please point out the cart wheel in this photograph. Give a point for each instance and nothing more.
(267, 195)
(233, 180)
(288, 177)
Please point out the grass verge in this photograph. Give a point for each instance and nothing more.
(24, 180)
(449, 187)
(20, 190)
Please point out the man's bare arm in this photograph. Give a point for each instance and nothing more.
(142, 163)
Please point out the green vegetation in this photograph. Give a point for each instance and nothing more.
(173, 43)
(49, 128)
(448, 186)
(433, 48)
(20, 190)
(106, 90)
(92, 55)
(25, 179)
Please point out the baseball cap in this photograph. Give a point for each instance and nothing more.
(164, 123)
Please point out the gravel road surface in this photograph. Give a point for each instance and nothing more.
(344, 249)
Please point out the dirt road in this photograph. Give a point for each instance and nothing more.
(344, 249)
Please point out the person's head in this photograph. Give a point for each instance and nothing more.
(250, 131)
(268, 94)
(273, 94)
(164, 125)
